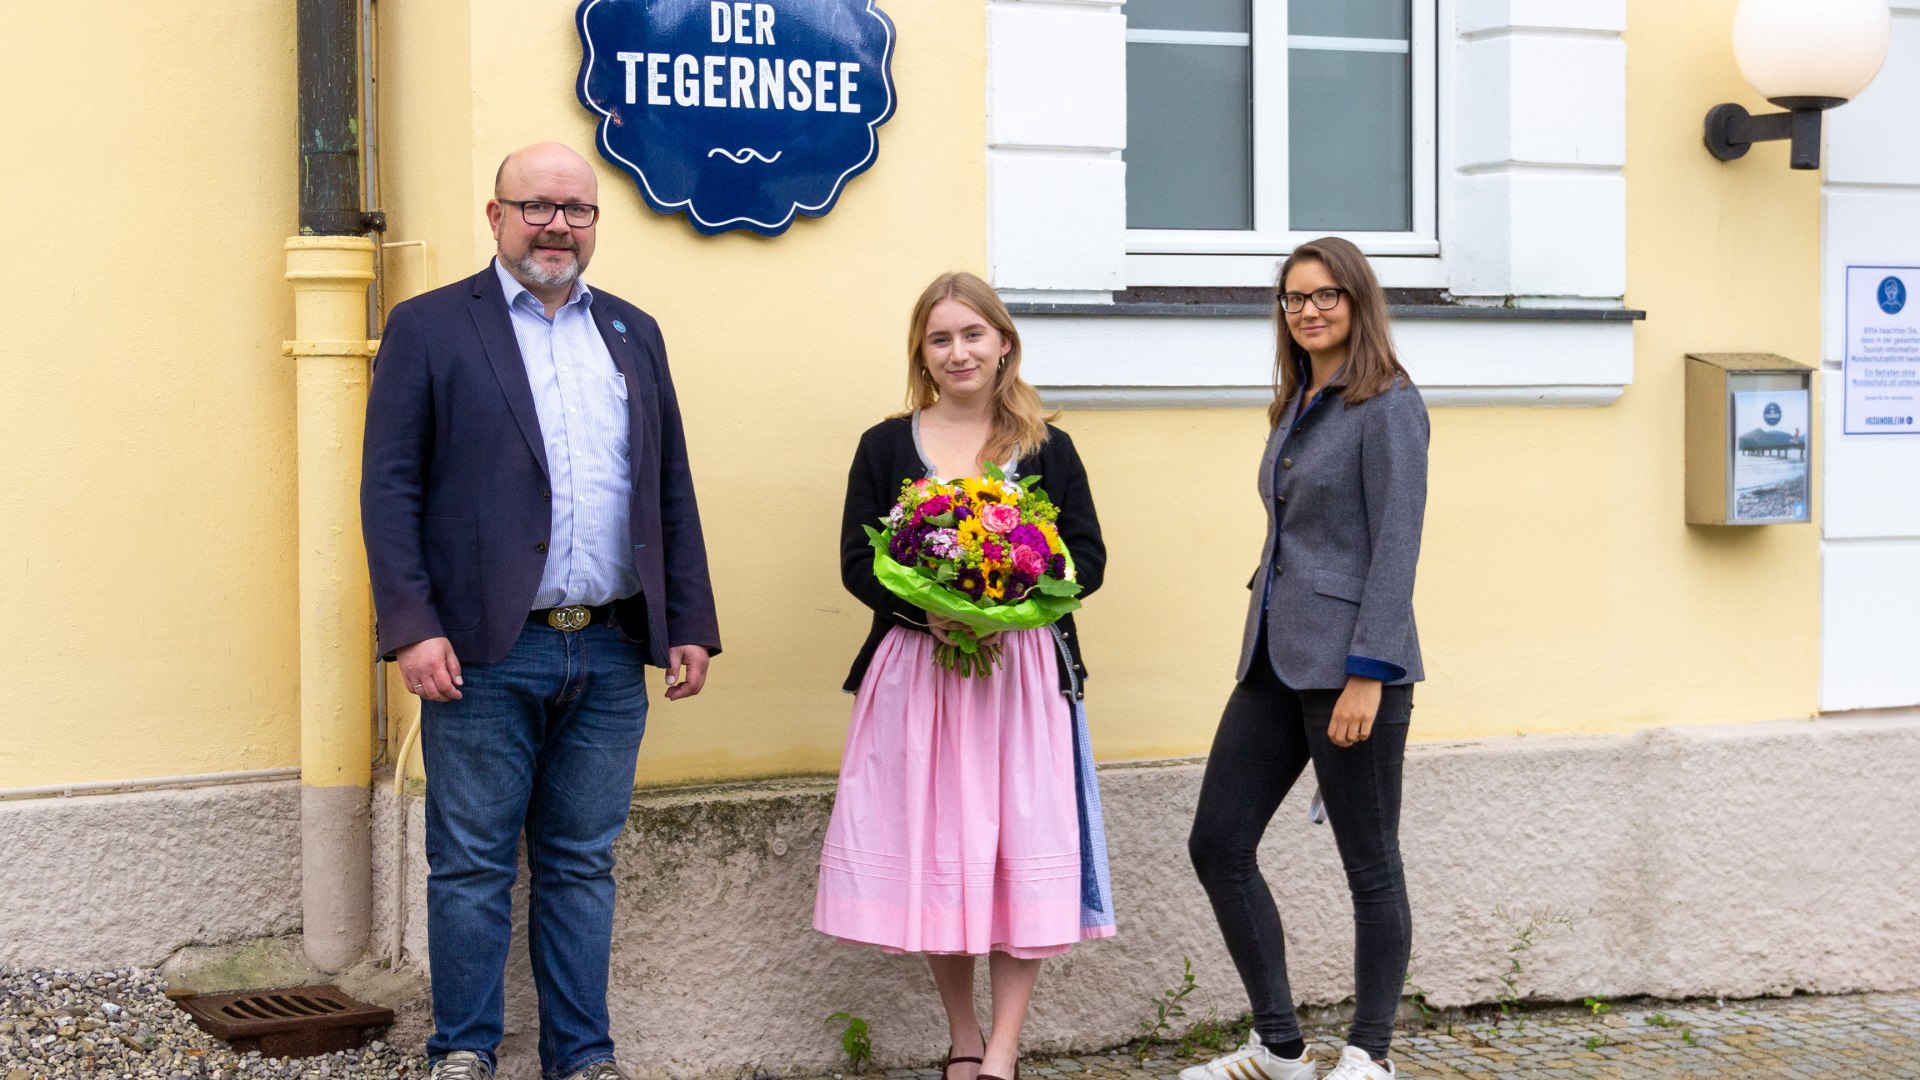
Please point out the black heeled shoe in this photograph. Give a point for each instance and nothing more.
(951, 1061)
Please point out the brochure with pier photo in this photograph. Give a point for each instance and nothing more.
(1770, 473)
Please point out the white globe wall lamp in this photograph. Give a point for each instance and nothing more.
(1805, 56)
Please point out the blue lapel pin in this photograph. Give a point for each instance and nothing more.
(620, 326)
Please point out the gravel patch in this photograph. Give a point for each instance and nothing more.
(119, 1025)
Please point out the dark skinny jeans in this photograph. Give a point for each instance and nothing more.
(1268, 734)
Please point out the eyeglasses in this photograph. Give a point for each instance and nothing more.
(1293, 302)
(580, 215)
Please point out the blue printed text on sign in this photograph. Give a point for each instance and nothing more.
(742, 115)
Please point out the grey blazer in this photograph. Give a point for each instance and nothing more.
(1345, 492)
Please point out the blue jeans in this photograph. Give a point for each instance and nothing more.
(544, 740)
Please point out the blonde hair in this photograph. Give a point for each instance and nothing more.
(1019, 420)
(1372, 368)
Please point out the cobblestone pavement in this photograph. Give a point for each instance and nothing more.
(1862, 1037)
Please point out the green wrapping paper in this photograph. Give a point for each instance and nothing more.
(918, 586)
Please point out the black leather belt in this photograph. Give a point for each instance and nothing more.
(572, 617)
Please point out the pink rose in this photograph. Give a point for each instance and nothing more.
(999, 517)
(1029, 562)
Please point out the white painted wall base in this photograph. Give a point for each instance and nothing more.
(1724, 860)
(112, 880)
(1731, 860)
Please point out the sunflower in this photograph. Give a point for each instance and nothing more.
(982, 492)
(996, 579)
(972, 533)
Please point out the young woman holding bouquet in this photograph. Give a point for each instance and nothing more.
(1328, 660)
(967, 822)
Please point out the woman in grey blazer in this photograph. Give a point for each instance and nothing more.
(1328, 661)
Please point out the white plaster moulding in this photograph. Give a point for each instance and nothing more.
(1068, 5)
(1603, 16)
(1252, 397)
(103, 787)
(1495, 33)
(1154, 361)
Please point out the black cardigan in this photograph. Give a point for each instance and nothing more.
(886, 459)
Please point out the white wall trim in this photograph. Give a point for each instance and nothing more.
(1533, 195)
(1056, 122)
(1870, 485)
(1257, 397)
(1146, 360)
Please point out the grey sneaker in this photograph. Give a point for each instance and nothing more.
(462, 1065)
(600, 1070)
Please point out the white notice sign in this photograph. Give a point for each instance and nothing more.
(1883, 351)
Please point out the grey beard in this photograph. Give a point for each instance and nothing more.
(531, 270)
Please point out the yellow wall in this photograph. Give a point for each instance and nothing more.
(1560, 589)
(150, 567)
(783, 349)
(146, 414)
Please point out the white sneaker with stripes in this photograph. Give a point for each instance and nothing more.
(1253, 1062)
(1357, 1064)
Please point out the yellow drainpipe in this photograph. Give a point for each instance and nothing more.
(330, 276)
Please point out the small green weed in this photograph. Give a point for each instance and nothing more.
(855, 1038)
(1526, 933)
(1416, 994)
(1595, 1042)
(1167, 1007)
(1686, 1036)
(1213, 1033)
(1598, 1005)
(1662, 1020)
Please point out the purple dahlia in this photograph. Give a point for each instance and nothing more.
(905, 545)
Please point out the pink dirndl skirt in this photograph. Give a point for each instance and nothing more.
(955, 828)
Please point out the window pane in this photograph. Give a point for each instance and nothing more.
(1217, 15)
(1350, 155)
(1189, 137)
(1348, 18)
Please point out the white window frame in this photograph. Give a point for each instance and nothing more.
(1245, 257)
(1531, 191)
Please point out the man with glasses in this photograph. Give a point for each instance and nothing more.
(534, 542)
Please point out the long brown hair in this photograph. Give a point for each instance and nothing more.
(1019, 420)
(1371, 367)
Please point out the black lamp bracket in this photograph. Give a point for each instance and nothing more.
(1731, 129)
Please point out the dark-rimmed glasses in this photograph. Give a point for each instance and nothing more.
(1293, 302)
(580, 215)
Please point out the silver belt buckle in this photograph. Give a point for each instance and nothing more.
(572, 617)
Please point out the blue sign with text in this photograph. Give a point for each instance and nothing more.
(741, 114)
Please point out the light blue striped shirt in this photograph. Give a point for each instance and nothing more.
(582, 402)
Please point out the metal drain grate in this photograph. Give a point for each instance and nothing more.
(299, 1021)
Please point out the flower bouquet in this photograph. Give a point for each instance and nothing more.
(983, 552)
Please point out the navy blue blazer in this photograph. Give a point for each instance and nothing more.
(455, 504)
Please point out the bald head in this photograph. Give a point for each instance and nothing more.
(544, 160)
(556, 188)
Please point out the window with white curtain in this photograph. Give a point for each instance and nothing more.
(1255, 124)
